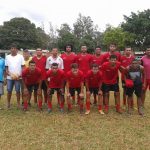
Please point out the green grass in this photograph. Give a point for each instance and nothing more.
(33, 130)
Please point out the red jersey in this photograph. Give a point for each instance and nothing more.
(125, 62)
(68, 60)
(31, 77)
(84, 62)
(56, 79)
(107, 55)
(75, 80)
(109, 73)
(41, 63)
(94, 80)
(97, 60)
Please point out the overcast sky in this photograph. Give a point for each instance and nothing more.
(102, 12)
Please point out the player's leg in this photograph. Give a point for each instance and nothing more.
(50, 93)
(100, 101)
(71, 94)
(26, 97)
(44, 88)
(17, 88)
(88, 95)
(81, 96)
(62, 99)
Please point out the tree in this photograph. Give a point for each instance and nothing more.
(139, 25)
(66, 36)
(118, 36)
(86, 32)
(22, 32)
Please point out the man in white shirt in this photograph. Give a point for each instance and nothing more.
(14, 63)
(54, 58)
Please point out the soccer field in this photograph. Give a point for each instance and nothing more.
(33, 130)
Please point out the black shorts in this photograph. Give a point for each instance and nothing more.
(94, 90)
(32, 87)
(136, 89)
(43, 85)
(59, 91)
(110, 87)
(72, 91)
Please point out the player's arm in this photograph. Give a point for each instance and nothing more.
(122, 69)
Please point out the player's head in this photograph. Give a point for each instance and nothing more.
(74, 68)
(54, 67)
(83, 48)
(39, 52)
(112, 47)
(98, 50)
(128, 50)
(112, 59)
(148, 51)
(135, 63)
(54, 51)
(13, 48)
(32, 65)
(95, 68)
(26, 54)
(68, 47)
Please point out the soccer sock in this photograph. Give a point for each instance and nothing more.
(49, 104)
(95, 101)
(25, 103)
(106, 107)
(88, 105)
(62, 104)
(99, 107)
(117, 106)
(40, 104)
(81, 106)
(69, 106)
(78, 102)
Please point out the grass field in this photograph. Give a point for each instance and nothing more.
(33, 130)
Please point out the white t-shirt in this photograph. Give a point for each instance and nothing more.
(51, 60)
(14, 64)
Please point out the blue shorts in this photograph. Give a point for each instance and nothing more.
(11, 83)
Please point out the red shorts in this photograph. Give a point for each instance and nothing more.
(147, 84)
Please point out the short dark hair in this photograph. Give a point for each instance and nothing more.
(68, 45)
(113, 57)
(98, 47)
(54, 65)
(95, 66)
(128, 46)
(74, 66)
(26, 50)
(13, 45)
(113, 43)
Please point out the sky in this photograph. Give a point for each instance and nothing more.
(41, 12)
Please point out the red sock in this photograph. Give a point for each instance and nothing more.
(40, 104)
(49, 104)
(73, 98)
(69, 106)
(117, 106)
(100, 107)
(25, 104)
(81, 106)
(124, 101)
(106, 107)
(88, 105)
(62, 105)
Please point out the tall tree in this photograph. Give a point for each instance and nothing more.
(22, 32)
(138, 24)
(118, 36)
(65, 35)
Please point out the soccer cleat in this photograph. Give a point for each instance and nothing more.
(119, 111)
(101, 112)
(140, 110)
(87, 112)
(61, 110)
(49, 110)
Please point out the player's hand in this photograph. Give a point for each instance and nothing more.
(100, 92)
(48, 91)
(39, 92)
(25, 91)
(81, 95)
(68, 94)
